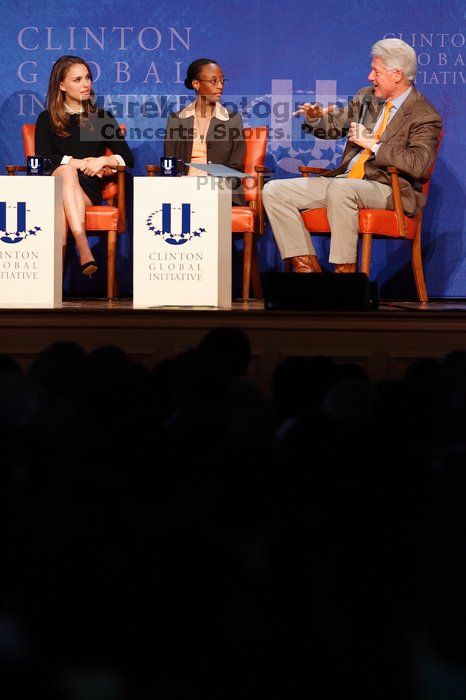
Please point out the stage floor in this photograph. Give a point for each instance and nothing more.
(383, 342)
(442, 305)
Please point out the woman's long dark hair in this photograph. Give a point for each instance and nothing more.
(55, 101)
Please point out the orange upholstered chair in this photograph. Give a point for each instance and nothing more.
(248, 221)
(109, 219)
(381, 223)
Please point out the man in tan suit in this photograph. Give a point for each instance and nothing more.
(399, 128)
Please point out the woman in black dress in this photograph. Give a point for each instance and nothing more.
(74, 135)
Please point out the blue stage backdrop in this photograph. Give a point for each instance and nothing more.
(275, 54)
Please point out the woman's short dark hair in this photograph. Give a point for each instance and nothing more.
(194, 69)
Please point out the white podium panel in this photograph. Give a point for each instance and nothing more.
(182, 241)
(30, 241)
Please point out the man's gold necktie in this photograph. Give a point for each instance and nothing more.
(357, 170)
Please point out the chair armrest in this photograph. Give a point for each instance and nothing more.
(392, 170)
(121, 202)
(12, 169)
(261, 170)
(152, 170)
(400, 215)
(306, 169)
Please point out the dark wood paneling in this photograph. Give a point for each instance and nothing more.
(383, 342)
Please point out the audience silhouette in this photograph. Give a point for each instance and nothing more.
(176, 533)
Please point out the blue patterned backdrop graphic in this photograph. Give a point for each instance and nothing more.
(274, 55)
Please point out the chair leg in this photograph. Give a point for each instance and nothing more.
(247, 260)
(111, 254)
(366, 253)
(418, 270)
(256, 280)
(287, 263)
(63, 251)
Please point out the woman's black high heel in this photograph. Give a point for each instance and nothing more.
(89, 268)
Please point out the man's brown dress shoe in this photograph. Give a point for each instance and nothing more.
(305, 263)
(345, 267)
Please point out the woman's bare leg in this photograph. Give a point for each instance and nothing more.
(65, 234)
(74, 205)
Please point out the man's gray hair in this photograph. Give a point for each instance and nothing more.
(395, 53)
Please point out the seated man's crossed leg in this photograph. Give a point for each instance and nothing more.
(341, 196)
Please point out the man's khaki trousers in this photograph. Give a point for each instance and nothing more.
(342, 197)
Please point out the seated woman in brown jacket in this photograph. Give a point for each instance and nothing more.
(204, 131)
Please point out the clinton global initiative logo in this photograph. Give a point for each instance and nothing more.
(14, 227)
(289, 144)
(176, 224)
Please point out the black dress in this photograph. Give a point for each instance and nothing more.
(88, 141)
